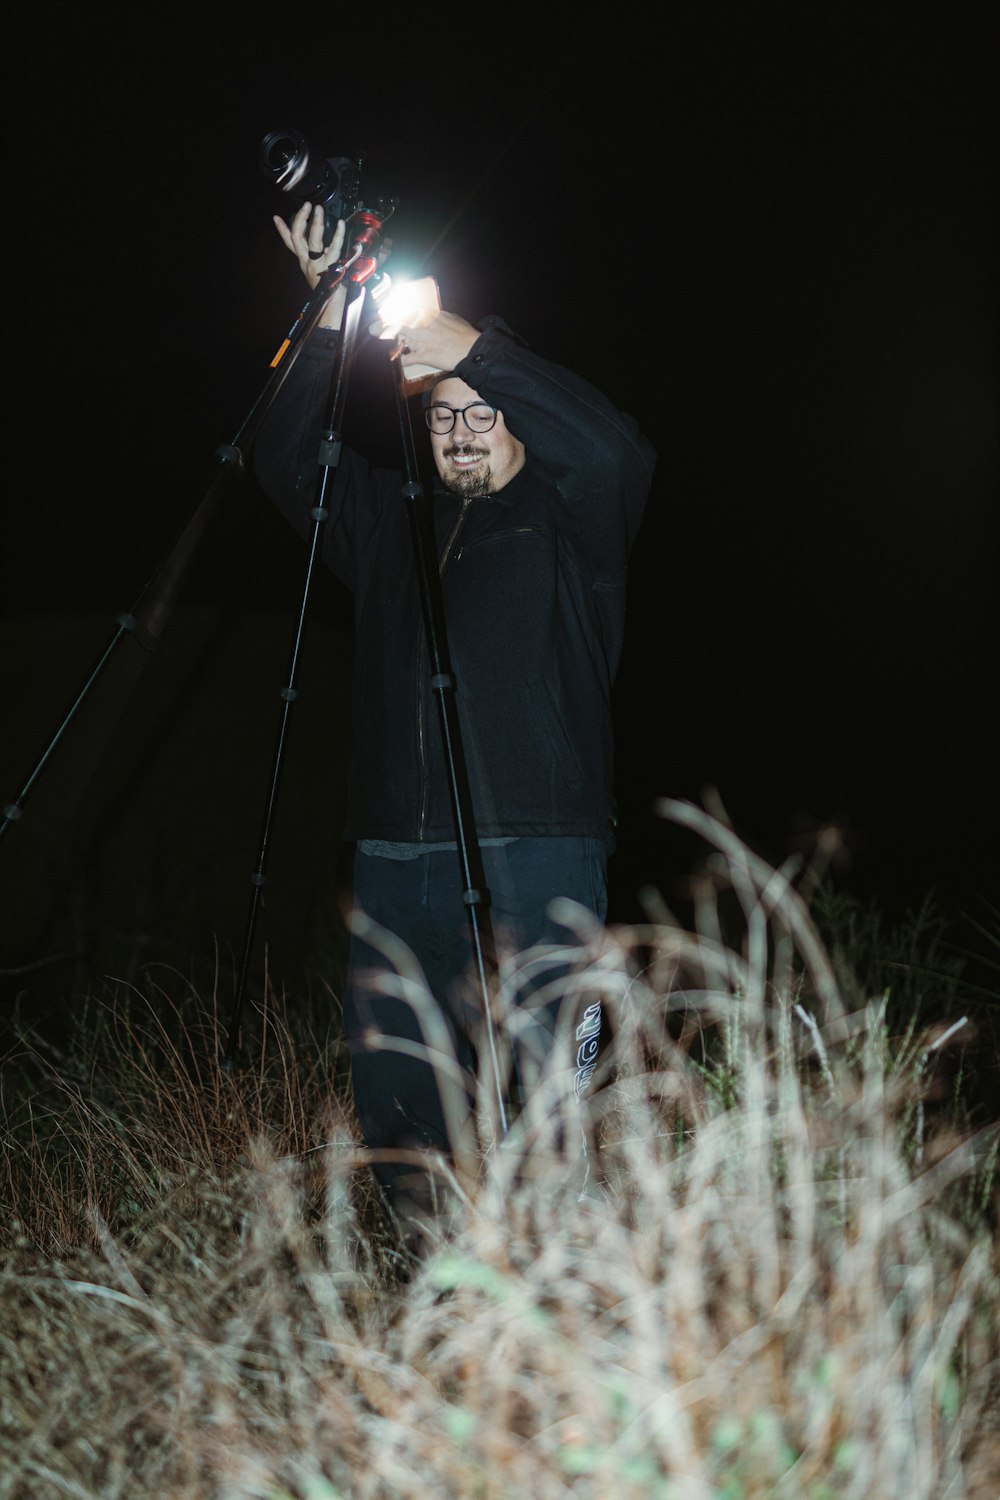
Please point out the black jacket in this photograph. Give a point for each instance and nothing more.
(534, 590)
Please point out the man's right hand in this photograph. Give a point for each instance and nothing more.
(304, 238)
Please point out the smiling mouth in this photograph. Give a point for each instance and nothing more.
(464, 458)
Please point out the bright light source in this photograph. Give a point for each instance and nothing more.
(408, 304)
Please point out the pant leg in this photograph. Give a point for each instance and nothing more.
(398, 1094)
(524, 878)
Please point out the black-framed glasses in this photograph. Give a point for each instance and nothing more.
(477, 416)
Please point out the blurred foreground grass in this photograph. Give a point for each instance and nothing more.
(781, 1279)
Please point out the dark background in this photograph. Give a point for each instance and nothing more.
(769, 232)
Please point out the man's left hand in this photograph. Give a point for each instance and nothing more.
(443, 342)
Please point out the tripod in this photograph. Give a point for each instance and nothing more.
(474, 893)
(146, 620)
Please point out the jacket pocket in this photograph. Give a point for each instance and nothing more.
(567, 761)
(494, 536)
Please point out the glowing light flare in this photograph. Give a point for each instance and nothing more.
(407, 304)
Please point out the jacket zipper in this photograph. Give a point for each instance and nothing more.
(421, 743)
(420, 752)
(453, 536)
(494, 536)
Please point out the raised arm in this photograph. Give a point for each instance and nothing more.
(304, 238)
(598, 460)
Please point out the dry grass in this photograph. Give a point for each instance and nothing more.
(782, 1284)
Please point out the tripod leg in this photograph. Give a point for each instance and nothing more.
(330, 449)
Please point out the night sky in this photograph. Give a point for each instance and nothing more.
(767, 231)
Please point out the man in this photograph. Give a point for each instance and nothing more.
(542, 486)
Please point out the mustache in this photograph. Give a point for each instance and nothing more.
(464, 450)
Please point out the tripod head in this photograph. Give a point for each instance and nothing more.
(294, 166)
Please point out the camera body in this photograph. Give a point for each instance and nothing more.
(287, 159)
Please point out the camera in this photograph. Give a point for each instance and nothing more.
(288, 160)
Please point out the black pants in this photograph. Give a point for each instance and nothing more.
(396, 1088)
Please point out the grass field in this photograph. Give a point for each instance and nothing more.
(780, 1280)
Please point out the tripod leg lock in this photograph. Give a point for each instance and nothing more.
(443, 682)
(289, 694)
(229, 454)
(329, 452)
(318, 513)
(137, 628)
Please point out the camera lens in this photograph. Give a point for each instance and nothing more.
(289, 161)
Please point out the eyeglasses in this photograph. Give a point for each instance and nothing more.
(477, 416)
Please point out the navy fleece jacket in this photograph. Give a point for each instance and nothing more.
(534, 591)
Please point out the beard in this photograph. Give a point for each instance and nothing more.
(470, 484)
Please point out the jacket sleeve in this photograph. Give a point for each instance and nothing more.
(595, 456)
(286, 462)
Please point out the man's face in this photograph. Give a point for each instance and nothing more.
(472, 464)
